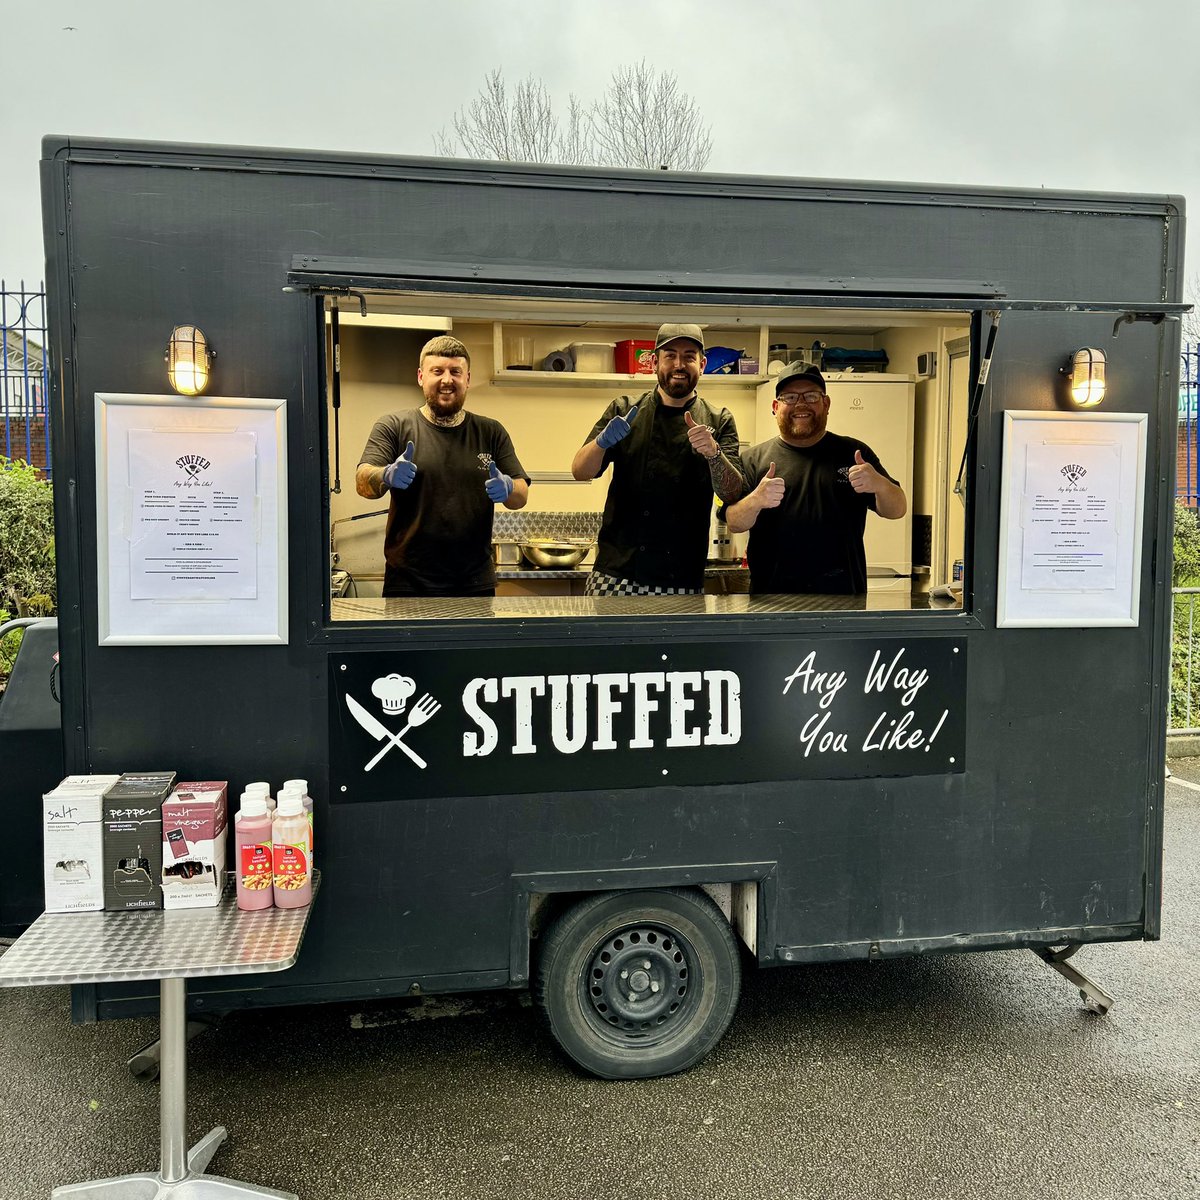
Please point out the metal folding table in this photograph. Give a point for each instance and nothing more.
(172, 947)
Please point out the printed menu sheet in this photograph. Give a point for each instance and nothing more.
(1069, 516)
(193, 529)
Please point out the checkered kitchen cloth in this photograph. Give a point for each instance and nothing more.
(599, 584)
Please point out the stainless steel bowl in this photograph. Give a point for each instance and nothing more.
(553, 555)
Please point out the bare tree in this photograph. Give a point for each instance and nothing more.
(644, 120)
(523, 129)
(1190, 322)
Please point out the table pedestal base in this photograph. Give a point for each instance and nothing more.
(195, 1185)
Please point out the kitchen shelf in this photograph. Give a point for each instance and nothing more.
(565, 379)
(504, 376)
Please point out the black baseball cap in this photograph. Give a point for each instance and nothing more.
(799, 370)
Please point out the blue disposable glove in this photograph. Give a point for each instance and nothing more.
(499, 486)
(616, 429)
(402, 472)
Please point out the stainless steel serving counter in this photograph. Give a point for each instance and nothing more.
(439, 608)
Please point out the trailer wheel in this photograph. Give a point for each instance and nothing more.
(639, 984)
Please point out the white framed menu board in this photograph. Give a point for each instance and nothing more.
(1071, 510)
(191, 520)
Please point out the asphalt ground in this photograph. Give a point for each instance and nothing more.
(965, 1075)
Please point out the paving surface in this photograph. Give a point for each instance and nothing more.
(965, 1076)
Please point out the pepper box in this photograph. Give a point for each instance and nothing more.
(194, 820)
(635, 358)
(133, 836)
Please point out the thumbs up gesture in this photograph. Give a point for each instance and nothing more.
(616, 429)
(498, 486)
(402, 472)
(769, 493)
(701, 437)
(863, 477)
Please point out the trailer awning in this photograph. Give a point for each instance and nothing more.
(337, 276)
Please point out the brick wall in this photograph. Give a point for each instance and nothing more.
(12, 441)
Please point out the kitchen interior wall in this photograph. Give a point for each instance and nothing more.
(548, 422)
(931, 454)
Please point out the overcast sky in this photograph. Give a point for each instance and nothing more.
(1091, 94)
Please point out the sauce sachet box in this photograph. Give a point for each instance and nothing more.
(72, 854)
(194, 821)
(133, 839)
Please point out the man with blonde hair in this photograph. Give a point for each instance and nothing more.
(444, 470)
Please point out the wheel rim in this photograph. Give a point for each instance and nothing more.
(639, 984)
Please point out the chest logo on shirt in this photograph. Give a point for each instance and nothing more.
(485, 461)
(844, 474)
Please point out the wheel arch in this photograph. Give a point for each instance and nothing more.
(538, 896)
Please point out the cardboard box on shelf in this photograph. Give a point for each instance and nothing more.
(635, 358)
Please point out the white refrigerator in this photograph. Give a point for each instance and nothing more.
(876, 409)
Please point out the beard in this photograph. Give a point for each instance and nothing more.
(678, 384)
(802, 425)
(444, 403)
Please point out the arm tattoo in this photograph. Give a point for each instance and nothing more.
(727, 480)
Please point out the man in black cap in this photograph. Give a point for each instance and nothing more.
(670, 451)
(811, 493)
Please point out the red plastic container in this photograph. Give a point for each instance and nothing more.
(634, 358)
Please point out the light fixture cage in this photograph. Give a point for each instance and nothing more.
(189, 360)
(1086, 370)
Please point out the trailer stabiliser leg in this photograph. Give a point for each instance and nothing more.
(1095, 999)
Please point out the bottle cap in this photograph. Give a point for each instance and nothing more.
(261, 787)
(290, 804)
(300, 784)
(253, 804)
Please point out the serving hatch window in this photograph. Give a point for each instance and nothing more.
(543, 379)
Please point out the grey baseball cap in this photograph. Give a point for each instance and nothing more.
(799, 370)
(668, 333)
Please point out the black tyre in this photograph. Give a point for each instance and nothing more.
(639, 984)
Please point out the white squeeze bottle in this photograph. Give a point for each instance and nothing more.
(253, 863)
(289, 836)
(264, 790)
(301, 786)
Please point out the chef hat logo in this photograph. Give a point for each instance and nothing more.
(393, 690)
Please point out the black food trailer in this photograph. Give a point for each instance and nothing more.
(615, 800)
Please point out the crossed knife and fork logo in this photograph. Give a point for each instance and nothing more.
(394, 690)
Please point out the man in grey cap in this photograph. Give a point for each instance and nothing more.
(670, 451)
(811, 492)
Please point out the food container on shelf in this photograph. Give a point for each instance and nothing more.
(506, 553)
(635, 358)
(593, 357)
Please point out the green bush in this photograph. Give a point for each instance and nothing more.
(1185, 631)
(28, 587)
(27, 582)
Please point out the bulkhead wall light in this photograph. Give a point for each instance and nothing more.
(189, 360)
(1085, 372)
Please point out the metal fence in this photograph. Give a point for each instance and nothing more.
(1184, 713)
(24, 376)
(1187, 479)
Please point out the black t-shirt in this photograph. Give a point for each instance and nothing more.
(813, 542)
(439, 528)
(656, 517)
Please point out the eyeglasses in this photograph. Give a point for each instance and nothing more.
(791, 399)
